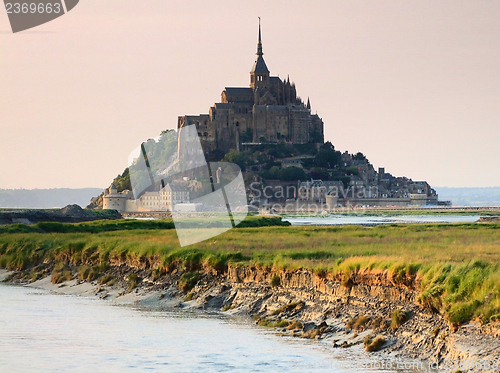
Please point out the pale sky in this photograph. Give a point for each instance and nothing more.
(414, 85)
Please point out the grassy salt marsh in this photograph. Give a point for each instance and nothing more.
(454, 267)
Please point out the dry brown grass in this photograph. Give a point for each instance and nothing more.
(311, 333)
(295, 325)
(375, 344)
(61, 273)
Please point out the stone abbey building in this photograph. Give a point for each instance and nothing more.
(268, 111)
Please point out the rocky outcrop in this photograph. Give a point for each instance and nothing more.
(351, 310)
(68, 214)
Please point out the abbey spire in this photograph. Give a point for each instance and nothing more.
(259, 44)
(259, 75)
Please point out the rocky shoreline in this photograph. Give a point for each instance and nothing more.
(489, 219)
(371, 311)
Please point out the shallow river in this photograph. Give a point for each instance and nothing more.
(377, 220)
(45, 332)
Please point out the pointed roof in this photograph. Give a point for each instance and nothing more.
(176, 187)
(259, 44)
(259, 66)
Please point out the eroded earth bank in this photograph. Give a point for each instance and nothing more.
(371, 310)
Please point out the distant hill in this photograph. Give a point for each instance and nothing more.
(470, 196)
(46, 198)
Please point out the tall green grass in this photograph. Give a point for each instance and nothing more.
(454, 267)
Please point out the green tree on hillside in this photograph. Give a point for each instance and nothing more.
(327, 156)
(239, 158)
(122, 181)
(215, 155)
(360, 157)
(274, 172)
(320, 173)
(292, 173)
(353, 170)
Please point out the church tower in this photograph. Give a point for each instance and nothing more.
(259, 76)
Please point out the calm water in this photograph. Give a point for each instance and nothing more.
(376, 220)
(44, 332)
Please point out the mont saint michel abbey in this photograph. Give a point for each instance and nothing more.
(269, 110)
